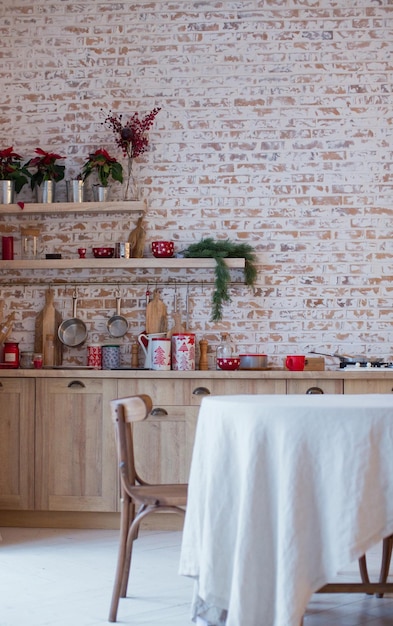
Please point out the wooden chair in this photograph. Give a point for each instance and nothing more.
(387, 547)
(135, 492)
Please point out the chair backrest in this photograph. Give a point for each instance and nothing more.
(125, 411)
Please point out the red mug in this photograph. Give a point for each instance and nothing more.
(295, 363)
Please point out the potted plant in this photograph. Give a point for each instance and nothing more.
(13, 171)
(219, 250)
(106, 167)
(47, 171)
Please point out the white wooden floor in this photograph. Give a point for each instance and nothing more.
(64, 578)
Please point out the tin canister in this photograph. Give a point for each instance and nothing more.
(94, 356)
(122, 250)
(110, 357)
(11, 354)
(183, 351)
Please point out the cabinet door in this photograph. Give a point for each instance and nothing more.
(76, 467)
(17, 443)
(163, 442)
(369, 385)
(315, 385)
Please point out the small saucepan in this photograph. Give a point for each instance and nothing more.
(72, 332)
(117, 325)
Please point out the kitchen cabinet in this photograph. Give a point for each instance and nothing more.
(75, 454)
(369, 385)
(16, 443)
(165, 441)
(57, 445)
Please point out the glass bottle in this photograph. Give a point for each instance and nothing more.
(224, 348)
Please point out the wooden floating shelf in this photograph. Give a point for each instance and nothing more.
(62, 208)
(148, 263)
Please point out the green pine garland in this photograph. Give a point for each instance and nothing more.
(219, 250)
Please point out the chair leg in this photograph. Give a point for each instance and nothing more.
(132, 535)
(363, 569)
(387, 546)
(129, 529)
(121, 558)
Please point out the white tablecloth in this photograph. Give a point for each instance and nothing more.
(284, 492)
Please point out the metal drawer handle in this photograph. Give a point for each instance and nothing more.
(76, 383)
(201, 391)
(158, 412)
(314, 390)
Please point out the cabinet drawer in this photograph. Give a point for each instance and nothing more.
(368, 385)
(201, 387)
(162, 391)
(316, 385)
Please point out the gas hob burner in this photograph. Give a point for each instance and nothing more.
(367, 366)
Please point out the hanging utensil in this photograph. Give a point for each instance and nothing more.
(6, 327)
(187, 307)
(72, 332)
(117, 325)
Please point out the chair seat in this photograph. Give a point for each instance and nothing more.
(160, 495)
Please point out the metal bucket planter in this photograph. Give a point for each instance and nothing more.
(46, 192)
(75, 190)
(7, 192)
(100, 193)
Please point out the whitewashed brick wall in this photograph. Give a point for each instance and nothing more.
(275, 129)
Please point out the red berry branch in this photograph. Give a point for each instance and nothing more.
(131, 136)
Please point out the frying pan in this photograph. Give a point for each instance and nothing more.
(350, 360)
(72, 332)
(117, 325)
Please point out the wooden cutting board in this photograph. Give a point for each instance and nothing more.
(47, 323)
(178, 326)
(137, 239)
(156, 315)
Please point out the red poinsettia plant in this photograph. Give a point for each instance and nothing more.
(46, 167)
(105, 166)
(11, 168)
(131, 135)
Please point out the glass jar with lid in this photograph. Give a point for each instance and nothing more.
(224, 349)
(30, 242)
(26, 360)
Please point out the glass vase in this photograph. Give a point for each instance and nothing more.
(131, 191)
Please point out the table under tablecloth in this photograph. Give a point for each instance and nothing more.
(284, 492)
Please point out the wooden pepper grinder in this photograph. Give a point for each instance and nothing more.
(135, 354)
(203, 362)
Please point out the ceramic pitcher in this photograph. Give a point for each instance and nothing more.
(145, 340)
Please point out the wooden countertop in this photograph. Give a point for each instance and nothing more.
(272, 374)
